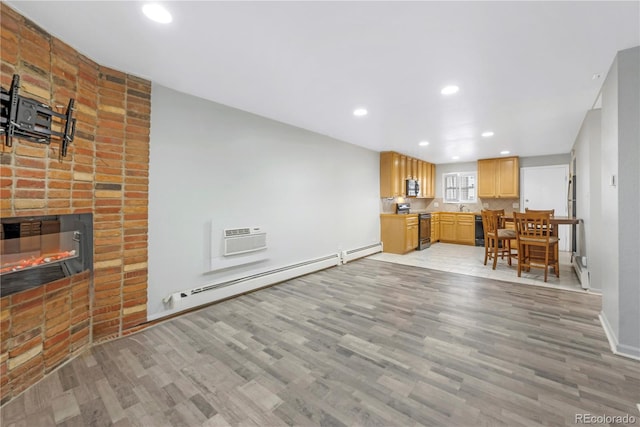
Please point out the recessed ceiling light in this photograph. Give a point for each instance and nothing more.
(359, 112)
(157, 13)
(423, 143)
(449, 90)
(505, 152)
(455, 157)
(487, 134)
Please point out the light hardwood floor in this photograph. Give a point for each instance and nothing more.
(368, 343)
(469, 260)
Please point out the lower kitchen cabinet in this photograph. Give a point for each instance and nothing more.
(399, 233)
(411, 236)
(456, 227)
(447, 227)
(435, 227)
(466, 229)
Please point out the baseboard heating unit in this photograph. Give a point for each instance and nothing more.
(364, 251)
(191, 298)
(580, 266)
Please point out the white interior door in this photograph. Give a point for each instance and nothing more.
(546, 187)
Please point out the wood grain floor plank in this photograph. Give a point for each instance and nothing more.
(369, 343)
(64, 407)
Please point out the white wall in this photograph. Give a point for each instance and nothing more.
(550, 160)
(628, 185)
(588, 174)
(210, 163)
(605, 271)
(614, 230)
(595, 236)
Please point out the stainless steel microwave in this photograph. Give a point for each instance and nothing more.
(413, 188)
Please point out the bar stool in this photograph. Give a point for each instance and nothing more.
(497, 239)
(537, 245)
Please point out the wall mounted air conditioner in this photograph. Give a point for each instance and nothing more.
(244, 240)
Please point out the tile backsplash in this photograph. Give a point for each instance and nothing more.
(429, 205)
(417, 205)
(506, 204)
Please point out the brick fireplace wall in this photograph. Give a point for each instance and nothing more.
(105, 173)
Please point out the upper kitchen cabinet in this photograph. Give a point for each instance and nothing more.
(428, 183)
(395, 168)
(413, 171)
(391, 176)
(499, 178)
(402, 172)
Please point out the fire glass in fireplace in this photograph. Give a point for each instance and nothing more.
(38, 250)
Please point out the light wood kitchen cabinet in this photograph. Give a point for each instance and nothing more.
(427, 179)
(399, 233)
(424, 177)
(429, 189)
(390, 179)
(435, 227)
(448, 227)
(395, 168)
(457, 228)
(466, 229)
(487, 178)
(499, 178)
(411, 236)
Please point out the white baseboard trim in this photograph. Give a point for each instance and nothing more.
(204, 295)
(611, 336)
(628, 351)
(617, 348)
(353, 254)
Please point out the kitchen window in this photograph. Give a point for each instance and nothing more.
(459, 187)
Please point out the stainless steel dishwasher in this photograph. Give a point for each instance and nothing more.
(424, 231)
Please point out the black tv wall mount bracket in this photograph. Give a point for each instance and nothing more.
(27, 118)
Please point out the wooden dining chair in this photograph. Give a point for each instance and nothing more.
(537, 245)
(497, 239)
(549, 211)
(551, 229)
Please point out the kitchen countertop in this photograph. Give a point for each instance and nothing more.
(447, 212)
(456, 213)
(436, 212)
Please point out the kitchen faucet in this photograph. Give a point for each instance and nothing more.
(461, 208)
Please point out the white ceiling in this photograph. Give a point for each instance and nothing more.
(524, 68)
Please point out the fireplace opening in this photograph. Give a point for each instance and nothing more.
(37, 250)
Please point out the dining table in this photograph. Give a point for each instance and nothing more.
(555, 221)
